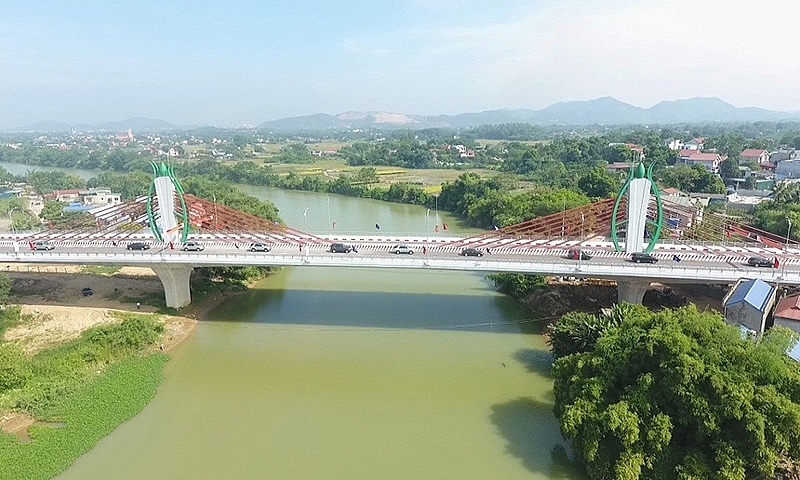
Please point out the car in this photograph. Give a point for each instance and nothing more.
(42, 245)
(398, 249)
(138, 246)
(259, 247)
(760, 262)
(640, 257)
(340, 248)
(471, 252)
(578, 254)
(87, 292)
(193, 247)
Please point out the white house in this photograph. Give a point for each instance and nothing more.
(709, 160)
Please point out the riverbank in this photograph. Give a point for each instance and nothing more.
(54, 314)
(560, 297)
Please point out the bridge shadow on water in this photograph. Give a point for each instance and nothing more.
(499, 314)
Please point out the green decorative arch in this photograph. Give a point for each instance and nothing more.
(164, 170)
(638, 171)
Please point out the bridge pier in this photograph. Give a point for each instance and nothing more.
(632, 291)
(175, 279)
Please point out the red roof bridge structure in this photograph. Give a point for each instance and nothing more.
(713, 247)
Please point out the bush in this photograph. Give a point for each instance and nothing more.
(13, 369)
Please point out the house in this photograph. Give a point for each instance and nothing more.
(781, 154)
(757, 155)
(694, 144)
(618, 167)
(65, 196)
(125, 136)
(788, 169)
(674, 144)
(748, 304)
(709, 160)
(99, 197)
(787, 314)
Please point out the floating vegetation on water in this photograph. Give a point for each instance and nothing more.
(90, 385)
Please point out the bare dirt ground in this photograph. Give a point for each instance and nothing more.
(56, 311)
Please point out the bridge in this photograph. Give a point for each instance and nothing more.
(711, 248)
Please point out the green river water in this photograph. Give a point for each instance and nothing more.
(324, 373)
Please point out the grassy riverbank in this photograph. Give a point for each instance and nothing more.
(83, 388)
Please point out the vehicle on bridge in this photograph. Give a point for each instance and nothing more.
(471, 252)
(760, 262)
(42, 245)
(340, 248)
(640, 257)
(259, 247)
(578, 254)
(138, 246)
(398, 249)
(193, 247)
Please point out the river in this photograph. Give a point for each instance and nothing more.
(344, 373)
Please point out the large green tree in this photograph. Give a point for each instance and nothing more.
(680, 394)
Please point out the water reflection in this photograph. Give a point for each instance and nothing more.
(523, 422)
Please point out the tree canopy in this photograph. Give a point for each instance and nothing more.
(678, 394)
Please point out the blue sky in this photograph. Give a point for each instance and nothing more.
(245, 62)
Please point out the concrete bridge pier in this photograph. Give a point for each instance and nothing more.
(632, 291)
(175, 279)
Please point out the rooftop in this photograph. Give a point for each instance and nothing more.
(755, 292)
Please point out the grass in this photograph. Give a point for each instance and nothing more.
(99, 269)
(9, 316)
(62, 385)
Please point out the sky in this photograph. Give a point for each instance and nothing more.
(238, 62)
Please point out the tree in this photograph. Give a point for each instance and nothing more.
(46, 182)
(695, 178)
(598, 184)
(367, 175)
(680, 394)
(5, 288)
(729, 169)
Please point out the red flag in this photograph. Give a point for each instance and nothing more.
(444, 225)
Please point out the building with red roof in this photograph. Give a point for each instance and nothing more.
(757, 155)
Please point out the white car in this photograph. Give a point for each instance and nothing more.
(193, 247)
(398, 249)
(42, 245)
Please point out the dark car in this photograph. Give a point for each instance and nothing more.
(471, 252)
(578, 254)
(138, 246)
(760, 262)
(193, 247)
(340, 248)
(640, 257)
(87, 291)
(42, 245)
(259, 247)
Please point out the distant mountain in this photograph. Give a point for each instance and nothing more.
(48, 126)
(345, 120)
(136, 124)
(600, 111)
(605, 110)
(705, 109)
